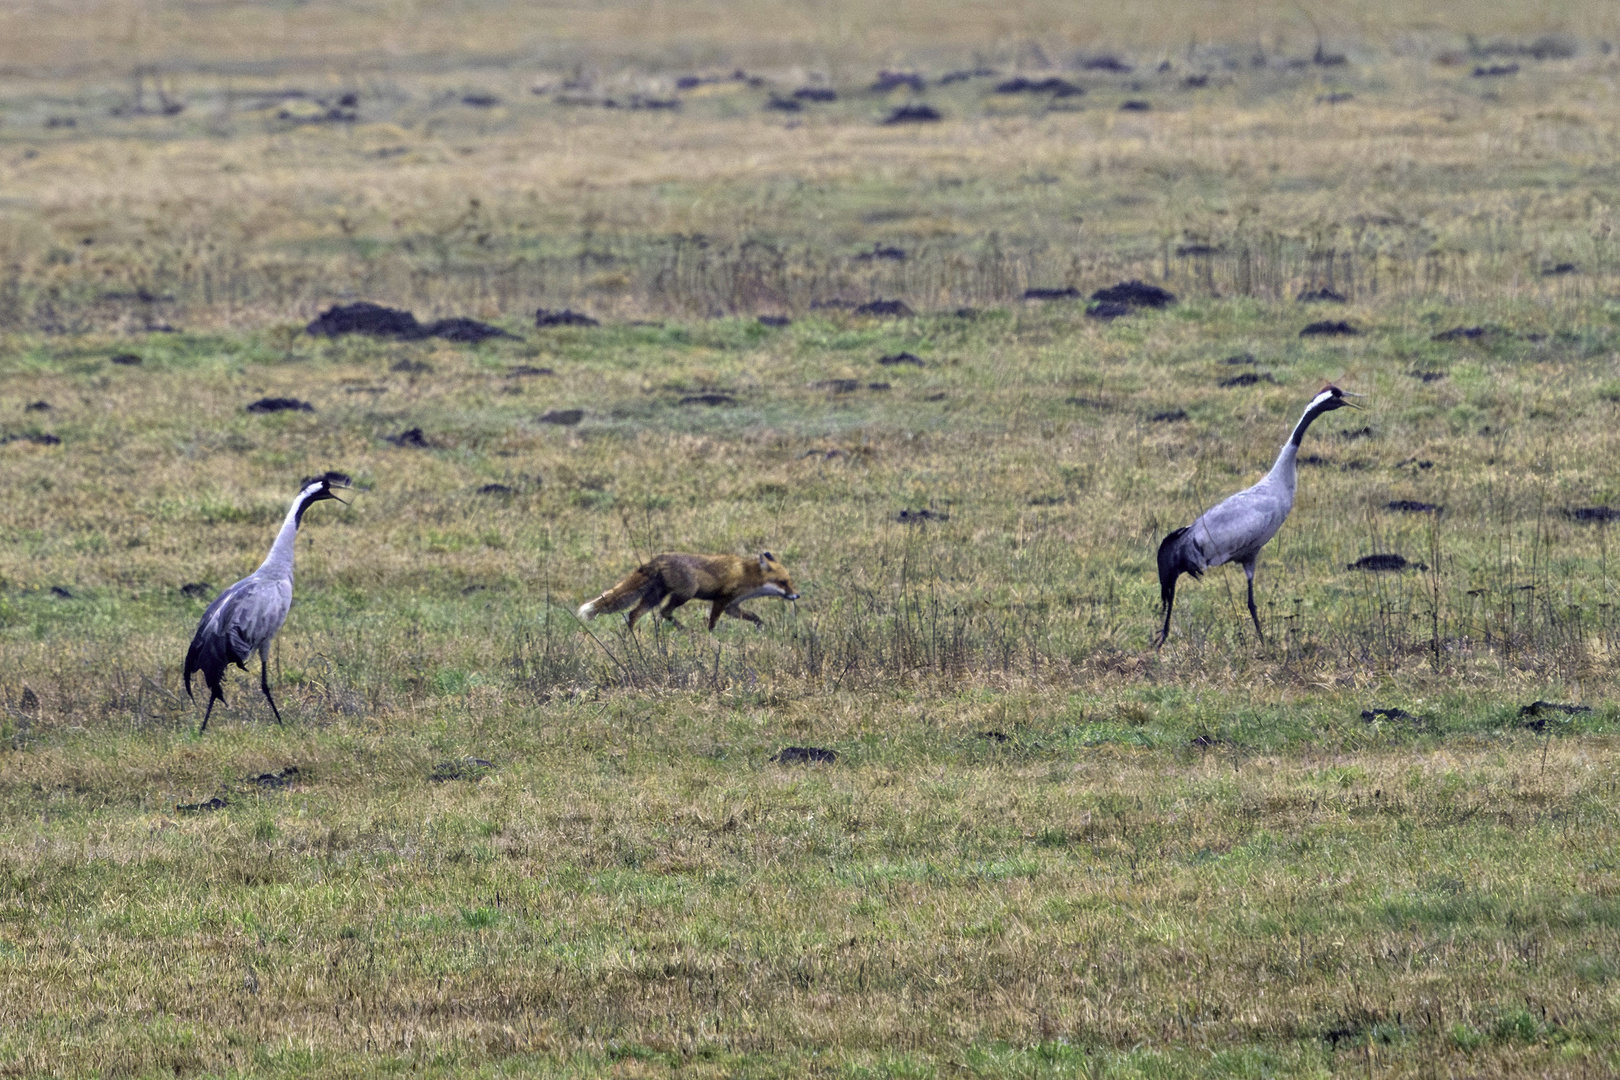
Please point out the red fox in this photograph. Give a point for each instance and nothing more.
(674, 578)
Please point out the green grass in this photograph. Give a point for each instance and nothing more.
(1045, 848)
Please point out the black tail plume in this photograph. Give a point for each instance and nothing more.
(1174, 561)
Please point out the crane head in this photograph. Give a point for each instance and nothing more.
(1330, 398)
(313, 489)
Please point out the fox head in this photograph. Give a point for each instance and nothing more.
(777, 582)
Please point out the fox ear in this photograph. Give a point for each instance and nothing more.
(765, 557)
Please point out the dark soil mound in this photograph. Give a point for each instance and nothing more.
(275, 781)
(967, 73)
(126, 359)
(1195, 82)
(1056, 87)
(364, 317)
(894, 309)
(1105, 62)
(1240, 359)
(564, 417)
(467, 331)
(565, 317)
(1192, 250)
(529, 369)
(1248, 378)
(1560, 270)
(893, 80)
(1412, 506)
(61, 592)
(1108, 310)
(412, 439)
(1428, 376)
(216, 803)
(775, 320)
(1460, 333)
(1592, 513)
(1363, 432)
(497, 489)
(992, 736)
(913, 517)
(37, 406)
(784, 104)
(480, 101)
(878, 386)
(914, 114)
(1135, 106)
(1070, 293)
(805, 755)
(894, 359)
(1383, 562)
(1174, 416)
(816, 93)
(709, 399)
(1371, 715)
(280, 404)
(1329, 328)
(197, 590)
(837, 386)
(1496, 71)
(1321, 296)
(882, 252)
(1136, 294)
(468, 768)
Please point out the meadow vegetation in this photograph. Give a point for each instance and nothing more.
(492, 839)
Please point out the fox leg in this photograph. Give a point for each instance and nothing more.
(648, 601)
(675, 600)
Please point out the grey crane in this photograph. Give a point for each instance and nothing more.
(1235, 529)
(244, 618)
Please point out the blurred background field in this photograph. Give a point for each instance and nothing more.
(1381, 843)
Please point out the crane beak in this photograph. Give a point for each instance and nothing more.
(1348, 394)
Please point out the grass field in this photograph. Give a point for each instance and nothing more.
(493, 840)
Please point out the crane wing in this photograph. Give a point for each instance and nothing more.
(239, 621)
(1239, 526)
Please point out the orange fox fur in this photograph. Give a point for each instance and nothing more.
(673, 578)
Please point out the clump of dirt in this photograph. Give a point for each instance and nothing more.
(411, 439)
(893, 80)
(805, 755)
(563, 417)
(1172, 417)
(816, 93)
(1329, 328)
(1135, 105)
(1070, 293)
(1136, 294)
(279, 404)
(882, 252)
(917, 517)
(712, 398)
(894, 359)
(1600, 514)
(777, 321)
(1412, 506)
(1383, 562)
(1108, 311)
(1321, 296)
(913, 114)
(466, 331)
(1053, 85)
(197, 590)
(565, 317)
(887, 309)
(125, 359)
(1248, 378)
(468, 768)
(364, 317)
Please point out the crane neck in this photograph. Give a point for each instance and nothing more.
(1285, 464)
(279, 563)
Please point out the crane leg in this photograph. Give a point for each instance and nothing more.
(208, 712)
(1164, 633)
(1248, 570)
(264, 684)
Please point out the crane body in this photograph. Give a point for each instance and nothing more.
(245, 618)
(1235, 529)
